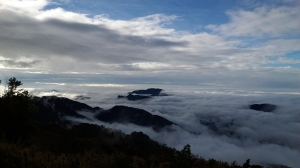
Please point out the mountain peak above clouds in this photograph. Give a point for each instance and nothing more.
(265, 107)
(124, 114)
(144, 94)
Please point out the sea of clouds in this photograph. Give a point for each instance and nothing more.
(217, 123)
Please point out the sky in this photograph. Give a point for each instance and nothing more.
(238, 44)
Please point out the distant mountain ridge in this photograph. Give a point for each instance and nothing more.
(52, 109)
(150, 91)
(124, 114)
(143, 94)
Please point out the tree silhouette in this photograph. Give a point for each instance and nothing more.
(17, 108)
(247, 164)
(11, 88)
(186, 151)
(17, 105)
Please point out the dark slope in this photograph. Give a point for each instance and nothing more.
(132, 97)
(52, 109)
(124, 114)
(93, 146)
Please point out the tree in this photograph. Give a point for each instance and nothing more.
(16, 105)
(246, 164)
(11, 88)
(17, 109)
(186, 151)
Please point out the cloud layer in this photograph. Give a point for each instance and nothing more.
(216, 123)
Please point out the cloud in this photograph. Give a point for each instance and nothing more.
(220, 124)
(19, 62)
(12, 63)
(54, 39)
(262, 21)
(146, 47)
(27, 7)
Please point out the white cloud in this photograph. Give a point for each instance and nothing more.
(142, 26)
(262, 21)
(29, 7)
(102, 85)
(220, 125)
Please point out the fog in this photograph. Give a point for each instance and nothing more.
(217, 123)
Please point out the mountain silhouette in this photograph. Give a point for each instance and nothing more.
(52, 109)
(124, 114)
(263, 107)
(143, 94)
